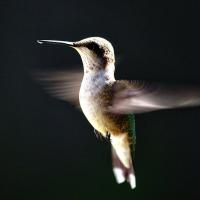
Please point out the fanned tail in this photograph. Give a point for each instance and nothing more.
(123, 173)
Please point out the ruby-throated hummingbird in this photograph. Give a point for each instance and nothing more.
(110, 104)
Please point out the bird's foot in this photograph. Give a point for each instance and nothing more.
(98, 134)
(108, 137)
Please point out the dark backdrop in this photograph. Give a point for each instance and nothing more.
(47, 148)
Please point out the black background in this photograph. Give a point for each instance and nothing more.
(47, 148)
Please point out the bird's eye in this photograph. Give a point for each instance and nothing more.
(93, 46)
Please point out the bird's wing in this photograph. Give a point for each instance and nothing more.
(141, 96)
(64, 85)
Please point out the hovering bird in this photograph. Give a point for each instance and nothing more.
(109, 104)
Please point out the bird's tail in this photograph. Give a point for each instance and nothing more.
(122, 163)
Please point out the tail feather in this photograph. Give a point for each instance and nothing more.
(121, 172)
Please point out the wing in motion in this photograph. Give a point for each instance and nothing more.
(128, 96)
(141, 96)
(63, 85)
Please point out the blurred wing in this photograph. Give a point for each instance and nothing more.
(141, 96)
(64, 85)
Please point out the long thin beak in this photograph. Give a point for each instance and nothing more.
(71, 44)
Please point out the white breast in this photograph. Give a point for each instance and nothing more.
(91, 86)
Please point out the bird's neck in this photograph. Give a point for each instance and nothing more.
(94, 81)
(95, 66)
(104, 75)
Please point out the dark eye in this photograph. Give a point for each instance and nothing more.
(93, 46)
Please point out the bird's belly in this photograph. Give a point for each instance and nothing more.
(94, 101)
(94, 114)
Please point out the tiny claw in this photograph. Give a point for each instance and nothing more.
(108, 137)
(98, 134)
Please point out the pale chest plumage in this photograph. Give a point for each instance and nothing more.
(89, 97)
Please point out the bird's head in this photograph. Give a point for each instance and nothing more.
(96, 53)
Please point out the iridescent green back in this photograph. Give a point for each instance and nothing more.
(132, 133)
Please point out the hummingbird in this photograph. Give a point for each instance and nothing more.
(110, 105)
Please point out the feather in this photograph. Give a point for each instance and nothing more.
(142, 96)
(63, 85)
